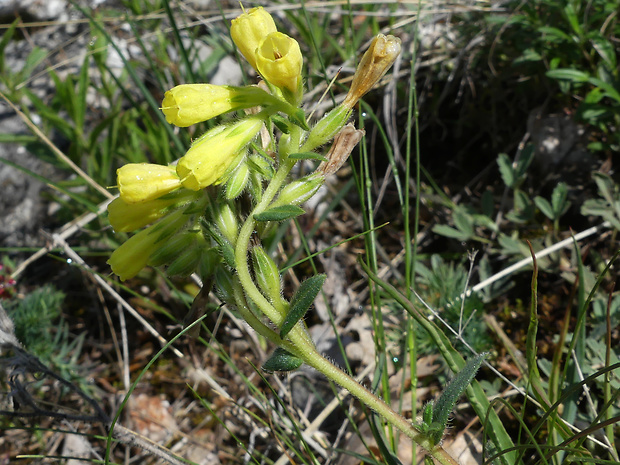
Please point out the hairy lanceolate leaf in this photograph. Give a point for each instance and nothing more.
(307, 156)
(282, 360)
(281, 213)
(303, 298)
(446, 402)
(281, 124)
(299, 118)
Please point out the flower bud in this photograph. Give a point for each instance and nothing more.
(209, 157)
(189, 104)
(267, 274)
(226, 221)
(376, 61)
(297, 192)
(326, 128)
(262, 165)
(248, 31)
(279, 61)
(141, 182)
(133, 255)
(126, 217)
(237, 181)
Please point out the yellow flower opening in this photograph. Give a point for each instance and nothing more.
(141, 182)
(374, 64)
(279, 61)
(189, 104)
(209, 158)
(248, 31)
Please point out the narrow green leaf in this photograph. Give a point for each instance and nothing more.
(446, 402)
(282, 360)
(605, 186)
(610, 90)
(301, 302)
(568, 74)
(427, 416)
(387, 454)
(6, 38)
(281, 123)
(307, 156)
(281, 213)
(573, 18)
(36, 56)
(555, 32)
(180, 44)
(299, 118)
(606, 50)
(80, 102)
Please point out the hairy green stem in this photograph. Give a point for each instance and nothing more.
(298, 341)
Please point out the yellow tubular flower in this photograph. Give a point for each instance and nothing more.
(189, 104)
(279, 61)
(249, 30)
(209, 157)
(133, 254)
(141, 182)
(376, 61)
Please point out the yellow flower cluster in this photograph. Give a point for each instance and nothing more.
(276, 56)
(171, 199)
(157, 194)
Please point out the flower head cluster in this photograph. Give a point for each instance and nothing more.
(276, 56)
(189, 214)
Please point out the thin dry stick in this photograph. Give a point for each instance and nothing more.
(66, 232)
(543, 253)
(80, 261)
